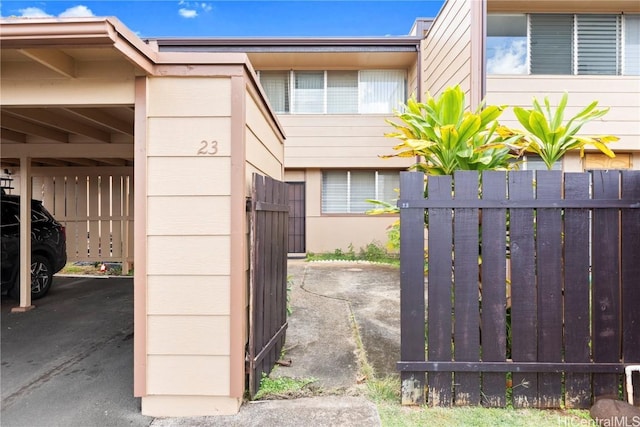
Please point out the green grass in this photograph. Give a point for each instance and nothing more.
(394, 415)
(385, 393)
(284, 388)
(372, 252)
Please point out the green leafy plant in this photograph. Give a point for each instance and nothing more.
(445, 137)
(549, 136)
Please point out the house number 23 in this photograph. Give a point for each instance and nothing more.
(208, 148)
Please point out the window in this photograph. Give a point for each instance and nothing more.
(532, 162)
(631, 58)
(308, 92)
(335, 92)
(507, 44)
(276, 87)
(563, 44)
(348, 191)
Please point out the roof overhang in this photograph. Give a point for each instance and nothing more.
(564, 6)
(57, 42)
(306, 52)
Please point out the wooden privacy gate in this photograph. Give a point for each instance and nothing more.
(268, 284)
(550, 314)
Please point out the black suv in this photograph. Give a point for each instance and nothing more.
(48, 247)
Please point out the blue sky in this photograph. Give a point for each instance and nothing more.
(181, 18)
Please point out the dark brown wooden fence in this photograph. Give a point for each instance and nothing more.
(268, 284)
(549, 316)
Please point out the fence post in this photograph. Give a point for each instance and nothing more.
(412, 321)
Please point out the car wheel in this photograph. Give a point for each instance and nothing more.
(41, 278)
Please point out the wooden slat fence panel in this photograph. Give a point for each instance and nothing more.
(466, 290)
(557, 310)
(630, 274)
(95, 207)
(606, 279)
(548, 230)
(577, 291)
(268, 285)
(412, 306)
(494, 298)
(440, 244)
(524, 298)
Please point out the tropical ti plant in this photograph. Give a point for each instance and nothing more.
(549, 136)
(445, 137)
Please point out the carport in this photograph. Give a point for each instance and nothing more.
(162, 146)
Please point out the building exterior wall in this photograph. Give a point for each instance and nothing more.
(188, 241)
(447, 49)
(328, 232)
(620, 93)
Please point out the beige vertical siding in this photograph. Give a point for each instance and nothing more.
(446, 52)
(188, 237)
(412, 80)
(620, 93)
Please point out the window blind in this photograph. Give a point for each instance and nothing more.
(342, 92)
(308, 93)
(348, 191)
(598, 47)
(381, 91)
(550, 47)
(276, 87)
(631, 63)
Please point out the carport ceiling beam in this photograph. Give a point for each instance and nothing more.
(48, 117)
(11, 136)
(55, 60)
(29, 128)
(62, 151)
(103, 119)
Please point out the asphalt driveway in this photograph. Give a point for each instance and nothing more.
(69, 362)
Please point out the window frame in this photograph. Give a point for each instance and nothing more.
(581, 53)
(347, 196)
(292, 98)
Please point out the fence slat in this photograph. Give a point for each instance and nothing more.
(523, 290)
(494, 295)
(549, 274)
(466, 290)
(606, 282)
(412, 305)
(439, 287)
(630, 273)
(577, 291)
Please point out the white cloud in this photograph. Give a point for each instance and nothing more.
(509, 58)
(33, 12)
(188, 13)
(79, 11)
(190, 9)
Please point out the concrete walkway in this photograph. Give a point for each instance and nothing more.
(334, 304)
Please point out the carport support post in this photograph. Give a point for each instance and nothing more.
(25, 236)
